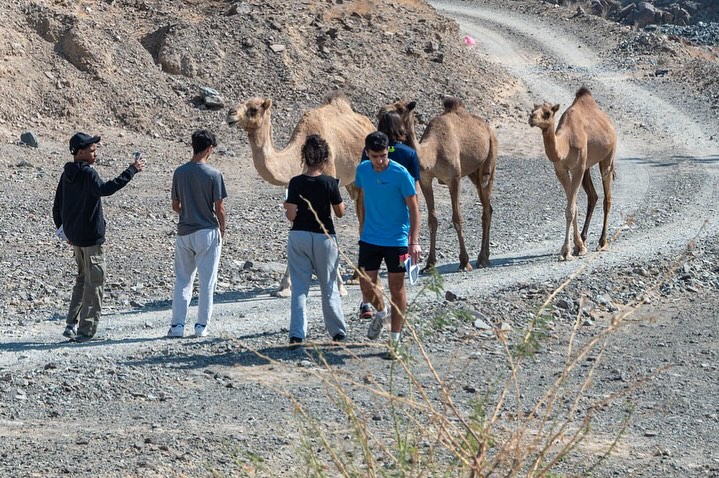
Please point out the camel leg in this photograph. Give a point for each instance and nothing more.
(484, 197)
(592, 197)
(428, 193)
(607, 170)
(457, 221)
(358, 198)
(571, 184)
(285, 289)
(577, 177)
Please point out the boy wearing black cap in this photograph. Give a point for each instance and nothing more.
(78, 209)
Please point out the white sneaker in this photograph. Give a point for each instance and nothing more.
(200, 330)
(177, 330)
(375, 327)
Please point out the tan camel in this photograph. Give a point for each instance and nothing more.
(455, 144)
(342, 128)
(584, 137)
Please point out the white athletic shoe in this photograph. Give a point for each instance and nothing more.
(200, 330)
(176, 331)
(375, 327)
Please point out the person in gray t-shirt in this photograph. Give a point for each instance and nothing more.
(198, 194)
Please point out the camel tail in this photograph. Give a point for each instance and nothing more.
(583, 91)
(450, 103)
(490, 164)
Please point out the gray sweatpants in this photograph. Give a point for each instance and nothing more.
(308, 252)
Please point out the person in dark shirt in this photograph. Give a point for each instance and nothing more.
(390, 123)
(77, 209)
(311, 245)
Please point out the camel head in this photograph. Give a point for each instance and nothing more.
(251, 115)
(404, 108)
(542, 116)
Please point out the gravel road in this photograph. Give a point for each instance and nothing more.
(137, 404)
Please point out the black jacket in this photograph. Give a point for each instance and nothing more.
(78, 208)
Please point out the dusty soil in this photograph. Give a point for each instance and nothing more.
(137, 404)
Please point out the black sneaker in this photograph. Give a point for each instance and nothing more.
(341, 338)
(365, 311)
(79, 338)
(295, 343)
(69, 332)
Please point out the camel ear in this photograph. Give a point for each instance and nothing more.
(537, 106)
(555, 108)
(411, 105)
(267, 104)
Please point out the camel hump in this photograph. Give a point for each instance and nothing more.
(583, 91)
(452, 104)
(337, 98)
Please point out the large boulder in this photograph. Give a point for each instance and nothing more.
(645, 14)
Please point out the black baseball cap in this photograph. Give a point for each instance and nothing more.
(81, 141)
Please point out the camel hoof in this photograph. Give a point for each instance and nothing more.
(352, 281)
(466, 267)
(428, 269)
(566, 258)
(482, 263)
(603, 248)
(282, 293)
(580, 251)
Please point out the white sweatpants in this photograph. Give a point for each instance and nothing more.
(196, 252)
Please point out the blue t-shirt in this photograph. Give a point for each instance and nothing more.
(402, 154)
(386, 220)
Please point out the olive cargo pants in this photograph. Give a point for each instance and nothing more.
(86, 301)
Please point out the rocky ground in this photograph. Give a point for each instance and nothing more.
(229, 405)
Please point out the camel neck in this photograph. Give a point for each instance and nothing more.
(551, 144)
(427, 151)
(275, 167)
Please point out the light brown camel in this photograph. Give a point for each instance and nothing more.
(584, 137)
(342, 128)
(455, 144)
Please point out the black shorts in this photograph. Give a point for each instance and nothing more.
(370, 257)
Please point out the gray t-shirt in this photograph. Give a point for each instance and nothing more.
(197, 186)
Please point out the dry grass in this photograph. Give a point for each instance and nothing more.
(431, 435)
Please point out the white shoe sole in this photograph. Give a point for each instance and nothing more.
(176, 332)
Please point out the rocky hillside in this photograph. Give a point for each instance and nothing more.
(141, 64)
(642, 13)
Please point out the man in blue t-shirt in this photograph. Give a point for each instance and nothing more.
(390, 232)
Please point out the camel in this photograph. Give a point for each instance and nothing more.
(455, 144)
(342, 128)
(584, 137)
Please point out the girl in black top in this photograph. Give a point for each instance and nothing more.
(311, 245)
